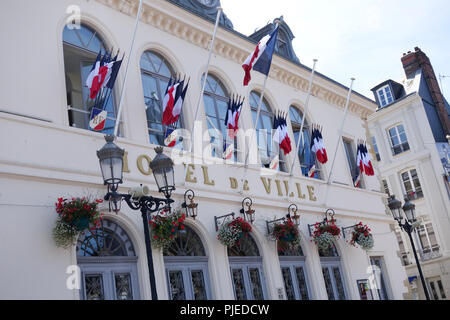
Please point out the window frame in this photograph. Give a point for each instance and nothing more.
(404, 146)
(383, 96)
(417, 194)
(306, 143)
(283, 166)
(160, 94)
(103, 46)
(351, 160)
(222, 129)
(375, 148)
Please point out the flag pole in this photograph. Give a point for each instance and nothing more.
(300, 138)
(305, 112)
(255, 124)
(119, 113)
(339, 139)
(211, 49)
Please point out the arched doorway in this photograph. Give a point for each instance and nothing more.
(187, 267)
(108, 264)
(332, 274)
(246, 270)
(293, 269)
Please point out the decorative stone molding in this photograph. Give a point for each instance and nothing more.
(153, 14)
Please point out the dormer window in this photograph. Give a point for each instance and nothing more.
(283, 44)
(385, 96)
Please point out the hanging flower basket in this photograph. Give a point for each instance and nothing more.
(286, 234)
(164, 228)
(74, 217)
(231, 233)
(325, 233)
(362, 236)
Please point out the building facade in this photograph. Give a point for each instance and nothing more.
(410, 131)
(49, 152)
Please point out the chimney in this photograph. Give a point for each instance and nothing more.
(413, 61)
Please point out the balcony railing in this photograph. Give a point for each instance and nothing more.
(428, 255)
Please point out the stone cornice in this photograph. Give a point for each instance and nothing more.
(165, 16)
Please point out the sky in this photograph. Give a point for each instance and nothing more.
(364, 39)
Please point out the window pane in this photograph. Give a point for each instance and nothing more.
(176, 284)
(94, 287)
(441, 289)
(198, 283)
(210, 109)
(328, 284)
(302, 283)
(339, 284)
(255, 281)
(123, 287)
(239, 286)
(433, 290)
(290, 292)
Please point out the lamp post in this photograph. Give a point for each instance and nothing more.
(408, 226)
(111, 164)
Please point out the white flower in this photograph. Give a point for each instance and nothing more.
(366, 243)
(324, 241)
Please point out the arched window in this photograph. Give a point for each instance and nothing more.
(293, 269)
(156, 73)
(187, 267)
(216, 100)
(81, 47)
(107, 259)
(246, 270)
(267, 148)
(306, 158)
(332, 274)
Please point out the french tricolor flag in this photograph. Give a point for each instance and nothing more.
(232, 117)
(281, 135)
(173, 101)
(364, 160)
(261, 59)
(318, 147)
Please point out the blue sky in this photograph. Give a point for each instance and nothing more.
(364, 39)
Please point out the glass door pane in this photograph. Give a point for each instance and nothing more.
(93, 285)
(255, 280)
(239, 284)
(123, 286)
(176, 286)
(328, 283)
(288, 285)
(339, 283)
(302, 286)
(198, 285)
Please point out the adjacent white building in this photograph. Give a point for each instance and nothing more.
(410, 131)
(48, 152)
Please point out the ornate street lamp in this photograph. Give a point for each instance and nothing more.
(162, 168)
(111, 164)
(408, 226)
(191, 207)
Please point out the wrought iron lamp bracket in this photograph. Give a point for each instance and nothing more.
(151, 204)
(249, 214)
